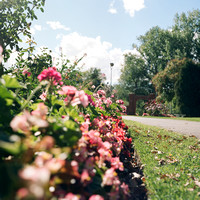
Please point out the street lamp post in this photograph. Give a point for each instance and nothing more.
(111, 66)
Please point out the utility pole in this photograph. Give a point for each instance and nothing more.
(111, 66)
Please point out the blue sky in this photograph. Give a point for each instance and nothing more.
(103, 29)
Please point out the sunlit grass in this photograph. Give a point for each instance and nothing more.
(171, 162)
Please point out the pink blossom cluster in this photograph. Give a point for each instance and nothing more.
(68, 172)
(73, 96)
(26, 72)
(103, 139)
(27, 120)
(103, 102)
(51, 74)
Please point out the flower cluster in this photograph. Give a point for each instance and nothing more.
(26, 121)
(26, 73)
(74, 96)
(51, 74)
(155, 108)
(1, 52)
(68, 151)
(104, 103)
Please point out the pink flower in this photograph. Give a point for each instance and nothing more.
(116, 163)
(25, 72)
(43, 96)
(125, 189)
(85, 177)
(68, 91)
(20, 123)
(1, 51)
(71, 196)
(25, 122)
(84, 127)
(80, 98)
(35, 174)
(83, 98)
(108, 102)
(96, 197)
(22, 193)
(50, 74)
(101, 92)
(54, 165)
(47, 143)
(41, 111)
(120, 101)
(110, 177)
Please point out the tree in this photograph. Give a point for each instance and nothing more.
(187, 89)
(94, 77)
(134, 77)
(164, 81)
(187, 31)
(154, 49)
(15, 20)
(159, 46)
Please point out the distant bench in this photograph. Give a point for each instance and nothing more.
(180, 115)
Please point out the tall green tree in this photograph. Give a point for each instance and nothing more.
(94, 77)
(134, 77)
(15, 21)
(159, 46)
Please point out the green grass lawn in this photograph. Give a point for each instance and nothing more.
(171, 162)
(196, 119)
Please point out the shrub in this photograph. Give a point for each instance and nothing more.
(155, 108)
(187, 89)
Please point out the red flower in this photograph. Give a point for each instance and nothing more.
(50, 74)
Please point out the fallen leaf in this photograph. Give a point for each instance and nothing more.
(161, 162)
(197, 183)
(187, 183)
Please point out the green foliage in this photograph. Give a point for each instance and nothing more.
(94, 77)
(15, 16)
(15, 20)
(159, 46)
(71, 73)
(134, 77)
(165, 80)
(187, 89)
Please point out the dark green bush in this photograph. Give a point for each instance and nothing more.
(187, 89)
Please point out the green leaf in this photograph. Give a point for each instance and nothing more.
(13, 148)
(10, 82)
(4, 93)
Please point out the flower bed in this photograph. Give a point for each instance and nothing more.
(67, 144)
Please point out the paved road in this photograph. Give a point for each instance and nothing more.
(180, 126)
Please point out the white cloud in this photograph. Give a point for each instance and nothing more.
(35, 28)
(133, 5)
(99, 53)
(55, 25)
(112, 10)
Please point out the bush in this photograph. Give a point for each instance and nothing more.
(187, 89)
(155, 108)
